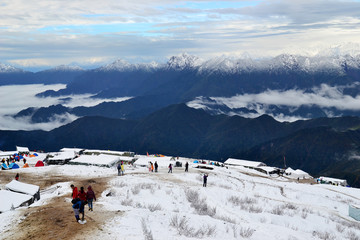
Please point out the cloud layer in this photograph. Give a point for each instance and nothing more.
(16, 98)
(324, 97)
(50, 33)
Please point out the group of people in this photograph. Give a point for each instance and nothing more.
(171, 167)
(80, 199)
(153, 167)
(120, 168)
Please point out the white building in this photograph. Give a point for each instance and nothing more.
(244, 163)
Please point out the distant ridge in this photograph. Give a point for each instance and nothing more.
(316, 146)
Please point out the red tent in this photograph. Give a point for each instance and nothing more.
(39, 164)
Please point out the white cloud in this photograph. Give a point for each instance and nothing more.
(325, 97)
(9, 123)
(48, 33)
(19, 97)
(15, 98)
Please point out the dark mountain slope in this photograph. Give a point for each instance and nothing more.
(315, 150)
(315, 145)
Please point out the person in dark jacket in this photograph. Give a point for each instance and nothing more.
(17, 177)
(78, 208)
(156, 166)
(90, 196)
(186, 167)
(119, 169)
(74, 192)
(205, 180)
(170, 168)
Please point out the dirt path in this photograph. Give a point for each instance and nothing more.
(55, 219)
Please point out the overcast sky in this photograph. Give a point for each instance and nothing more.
(39, 34)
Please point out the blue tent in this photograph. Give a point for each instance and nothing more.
(13, 166)
(196, 161)
(4, 166)
(35, 154)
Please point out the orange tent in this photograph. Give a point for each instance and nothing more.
(26, 165)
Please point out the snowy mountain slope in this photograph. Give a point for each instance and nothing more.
(121, 65)
(232, 64)
(238, 203)
(4, 68)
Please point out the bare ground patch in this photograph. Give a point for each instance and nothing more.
(55, 219)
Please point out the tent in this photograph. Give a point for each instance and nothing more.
(24, 188)
(26, 165)
(35, 154)
(13, 165)
(39, 164)
(4, 166)
(196, 161)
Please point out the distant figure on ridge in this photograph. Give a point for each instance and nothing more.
(119, 169)
(205, 179)
(122, 169)
(170, 168)
(186, 167)
(156, 166)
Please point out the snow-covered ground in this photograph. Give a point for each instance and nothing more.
(236, 204)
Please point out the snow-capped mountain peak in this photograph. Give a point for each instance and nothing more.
(118, 65)
(121, 65)
(4, 68)
(183, 61)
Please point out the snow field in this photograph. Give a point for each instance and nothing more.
(236, 204)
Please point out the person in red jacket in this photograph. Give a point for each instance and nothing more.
(74, 192)
(82, 194)
(90, 196)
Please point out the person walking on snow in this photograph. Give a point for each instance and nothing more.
(205, 179)
(90, 196)
(119, 169)
(122, 168)
(156, 166)
(74, 192)
(186, 167)
(170, 168)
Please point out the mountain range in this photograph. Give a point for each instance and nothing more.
(186, 78)
(188, 107)
(318, 146)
